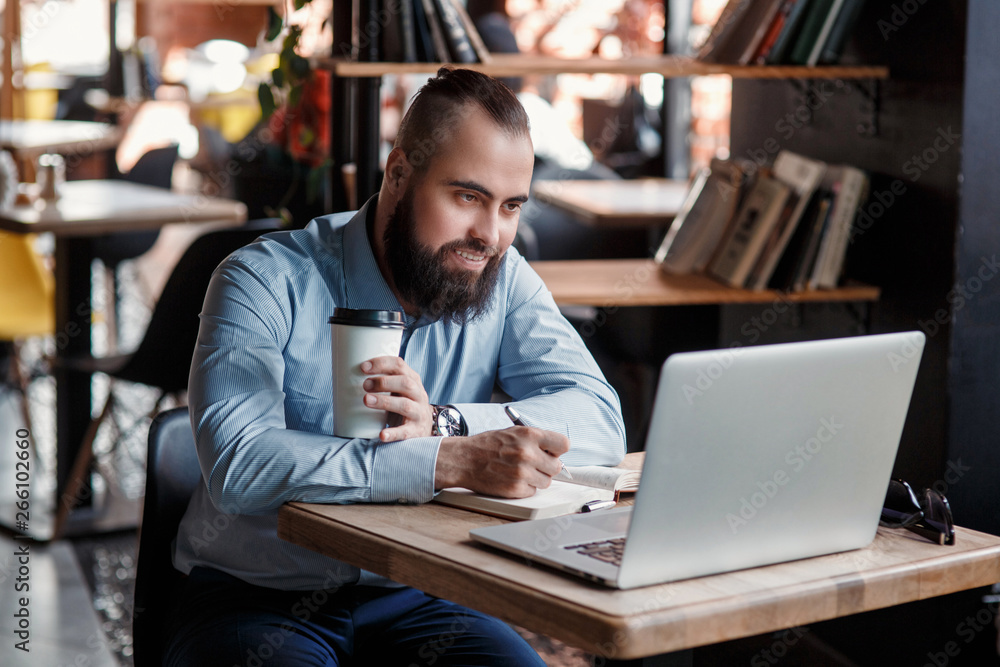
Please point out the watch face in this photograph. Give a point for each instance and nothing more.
(449, 422)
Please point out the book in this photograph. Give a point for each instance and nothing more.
(851, 189)
(588, 483)
(824, 33)
(812, 24)
(753, 224)
(391, 33)
(773, 32)
(441, 53)
(757, 24)
(820, 222)
(842, 29)
(803, 176)
(424, 41)
(408, 29)
(700, 223)
(482, 53)
(789, 33)
(458, 41)
(723, 30)
(783, 277)
(760, 272)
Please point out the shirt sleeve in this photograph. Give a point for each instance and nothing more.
(249, 458)
(555, 382)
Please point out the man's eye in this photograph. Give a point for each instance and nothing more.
(468, 197)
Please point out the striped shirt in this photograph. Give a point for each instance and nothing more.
(260, 396)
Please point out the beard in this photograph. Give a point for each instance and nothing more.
(422, 277)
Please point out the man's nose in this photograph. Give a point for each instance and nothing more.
(487, 228)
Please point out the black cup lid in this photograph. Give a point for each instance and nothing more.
(367, 318)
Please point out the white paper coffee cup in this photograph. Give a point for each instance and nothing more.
(357, 336)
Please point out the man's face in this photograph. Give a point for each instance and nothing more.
(446, 238)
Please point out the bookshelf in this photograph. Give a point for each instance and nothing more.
(611, 283)
(367, 76)
(667, 65)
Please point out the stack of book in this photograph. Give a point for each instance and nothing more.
(781, 32)
(785, 227)
(428, 31)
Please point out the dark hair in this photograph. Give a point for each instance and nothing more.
(441, 103)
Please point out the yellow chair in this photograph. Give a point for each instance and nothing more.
(27, 290)
(27, 303)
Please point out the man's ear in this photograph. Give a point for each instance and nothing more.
(397, 171)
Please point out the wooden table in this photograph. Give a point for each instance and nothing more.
(86, 209)
(428, 547)
(639, 282)
(644, 202)
(30, 138)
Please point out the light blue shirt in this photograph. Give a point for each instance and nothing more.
(261, 391)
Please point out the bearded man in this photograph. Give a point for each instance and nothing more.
(435, 244)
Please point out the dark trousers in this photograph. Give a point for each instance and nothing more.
(220, 621)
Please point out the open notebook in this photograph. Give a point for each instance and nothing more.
(587, 483)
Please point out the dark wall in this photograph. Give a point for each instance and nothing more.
(906, 242)
(974, 449)
(938, 140)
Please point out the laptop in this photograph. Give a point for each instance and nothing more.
(755, 455)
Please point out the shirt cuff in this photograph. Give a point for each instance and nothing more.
(482, 417)
(403, 472)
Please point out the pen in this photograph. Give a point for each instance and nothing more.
(516, 418)
(595, 505)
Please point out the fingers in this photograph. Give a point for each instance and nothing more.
(397, 389)
(384, 365)
(511, 463)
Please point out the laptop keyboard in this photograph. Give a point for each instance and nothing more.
(609, 551)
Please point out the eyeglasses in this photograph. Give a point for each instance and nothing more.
(927, 515)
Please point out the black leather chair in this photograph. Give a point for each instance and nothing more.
(172, 473)
(154, 168)
(163, 357)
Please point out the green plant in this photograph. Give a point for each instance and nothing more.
(293, 70)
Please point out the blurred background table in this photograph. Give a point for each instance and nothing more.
(28, 139)
(86, 209)
(644, 202)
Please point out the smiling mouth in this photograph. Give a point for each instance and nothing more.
(469, 256)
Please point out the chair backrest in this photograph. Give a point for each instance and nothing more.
(27, 306)
(156, 168)
(172, 473)
(163, 357)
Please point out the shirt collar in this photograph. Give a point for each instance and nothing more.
(366, 288)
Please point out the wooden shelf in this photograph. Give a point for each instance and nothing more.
(639, 282)
(668, 66)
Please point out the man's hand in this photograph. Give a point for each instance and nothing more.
(406, 398)
(511, 463)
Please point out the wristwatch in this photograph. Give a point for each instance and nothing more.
(448, 421)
